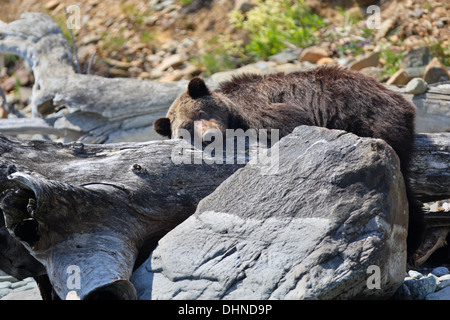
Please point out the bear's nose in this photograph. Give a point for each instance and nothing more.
(211, 134)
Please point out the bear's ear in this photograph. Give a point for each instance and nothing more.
(197, 88)
(162, 127)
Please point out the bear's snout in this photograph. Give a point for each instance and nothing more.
(207, 129)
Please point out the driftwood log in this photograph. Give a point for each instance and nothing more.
(97, 207)
(99, 109)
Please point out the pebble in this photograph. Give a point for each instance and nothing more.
(416, 86)
(417, 286)
(435, 72)
(10, 285)
(369, 60)
(415, 274)
(313, 54)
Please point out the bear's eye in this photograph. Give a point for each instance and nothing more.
(202, 115)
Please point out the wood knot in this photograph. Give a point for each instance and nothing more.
(78, 148)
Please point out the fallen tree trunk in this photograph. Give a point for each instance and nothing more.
(100, 109)
(430, 168)
(103, 207)
(116, 200)
(99, 208)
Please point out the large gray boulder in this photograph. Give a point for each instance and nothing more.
(330, 224)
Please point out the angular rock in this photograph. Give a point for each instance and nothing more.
(285, 56)
(415, 274)
(398, 78)
(171, 61)
(440, 271)
(118, 64)
(435, 72)
(373, 72)
(370, 60)
(416, 86)
(325, 60)
(422, 287)
(386, 26)
(52, 4)
(402, 293)
(417, 58)
(415, 72)
(331, 223)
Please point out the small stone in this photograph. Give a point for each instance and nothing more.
(421, 288)
(415, 72)
(440, 271)
(416, 86)
(116, 72)
(417, 58)
(398, 78)
(313, 54)
(443, 282)
(325, 61)
(288, 67)
(415, 274)
(435, 72)
(373, 72)
(91, 38)
(443, 294)
(386, 26)
(8, 84)
(52, 4)
(32, 294)
(171, 61)
(440, 24)
(285, 56)
(370, 60)
(118, 64)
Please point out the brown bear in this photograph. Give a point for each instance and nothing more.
(330, 97)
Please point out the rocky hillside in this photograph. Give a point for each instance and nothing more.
(170, 40)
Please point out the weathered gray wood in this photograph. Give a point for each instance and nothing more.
(430, 167)
(15, 126)
(433, 109)
(38, 39)
(98, 207)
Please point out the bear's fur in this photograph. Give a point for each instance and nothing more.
(329, 97)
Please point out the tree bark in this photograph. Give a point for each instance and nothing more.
(100, 109)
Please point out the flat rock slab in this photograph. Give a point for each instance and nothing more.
(330, 223)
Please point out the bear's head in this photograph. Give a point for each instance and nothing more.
(198, 110)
